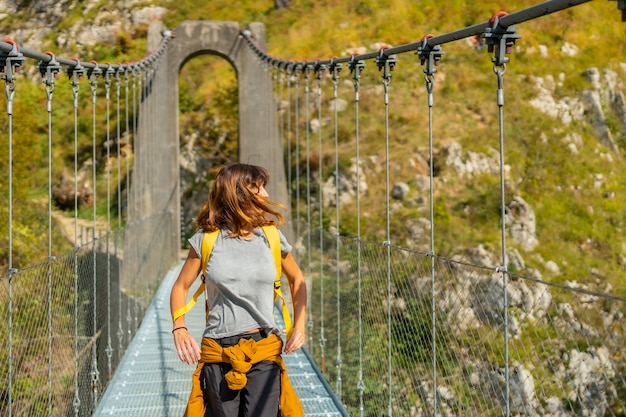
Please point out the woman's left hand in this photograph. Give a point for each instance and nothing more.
(295, 342)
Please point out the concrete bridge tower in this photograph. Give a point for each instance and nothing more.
(259, 141)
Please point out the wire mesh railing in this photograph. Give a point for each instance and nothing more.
(70, 317)
(400, 332)
(566, 346)
(395, 331)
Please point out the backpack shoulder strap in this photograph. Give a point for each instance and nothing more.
(271, 232)
(208, 241)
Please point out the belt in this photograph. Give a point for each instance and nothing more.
(233, 340)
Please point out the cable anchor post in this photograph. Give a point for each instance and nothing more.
(10, 63)
(430, 56)
(386, 63)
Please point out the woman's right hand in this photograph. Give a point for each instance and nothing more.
(186, 346)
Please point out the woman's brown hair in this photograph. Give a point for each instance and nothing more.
(234, 200)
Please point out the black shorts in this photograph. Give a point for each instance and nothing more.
(259, 398)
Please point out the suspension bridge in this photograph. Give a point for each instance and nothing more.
(392, 330)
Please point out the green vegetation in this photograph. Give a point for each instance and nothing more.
(580, 224)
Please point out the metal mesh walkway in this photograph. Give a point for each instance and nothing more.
(151, 381)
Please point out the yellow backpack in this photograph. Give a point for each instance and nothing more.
(208, 241)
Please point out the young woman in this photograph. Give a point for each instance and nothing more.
(240, 330)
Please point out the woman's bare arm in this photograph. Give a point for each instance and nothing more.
(186, 346)
(297, 285)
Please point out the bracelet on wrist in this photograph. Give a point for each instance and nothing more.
(178, 328)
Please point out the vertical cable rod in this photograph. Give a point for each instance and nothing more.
(49, 72)
(430, 56)
(94, 73)
(319, 70)
(13, 62)
(287, 81)
(117, 235)
(335, 69)
(356, 68)
(307, 71)
(75, 73)
(297, 139)
(499, 71)
(107, 166)
(387, 64)
(500, 40)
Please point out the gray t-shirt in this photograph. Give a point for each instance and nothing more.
(239, 283)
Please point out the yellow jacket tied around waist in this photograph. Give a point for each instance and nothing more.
(242, 356)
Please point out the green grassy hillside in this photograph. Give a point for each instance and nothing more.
(579, 225)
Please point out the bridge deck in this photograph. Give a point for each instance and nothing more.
(151, 381)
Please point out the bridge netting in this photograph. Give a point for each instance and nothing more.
(395, 331)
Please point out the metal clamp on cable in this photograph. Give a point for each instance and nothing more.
(50, 69)
(94, 71)
(335, 68)
(385, 62)
(356, 66)
(500, 38)
(75, 71)
(429, 55)
(319, 69)
(10, 61)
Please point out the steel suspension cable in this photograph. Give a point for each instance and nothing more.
(335, 69)
(503, 269)
(297, 139)
(284, 134)
(530, 13)
(430, 56)
(356, 68)
(75, 73)
(14, 60)
(49, 71)
(107, 166)
(119, 209)
(319, 70)
(386, 64)
(288, 138)
(127, 192)
(137, 88)
(307, 71)
(500, 40)
(93, 74)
